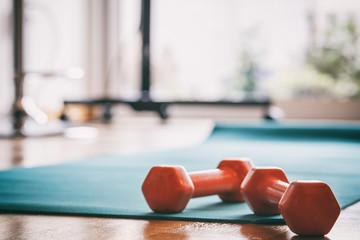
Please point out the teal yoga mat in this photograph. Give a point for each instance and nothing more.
(110, 185)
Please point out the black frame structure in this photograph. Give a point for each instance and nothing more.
(145, 102)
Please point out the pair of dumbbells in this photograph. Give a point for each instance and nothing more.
(308, 207)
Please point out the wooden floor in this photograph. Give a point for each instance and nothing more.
(131, 135)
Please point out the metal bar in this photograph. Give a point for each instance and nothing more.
(264, 103)
(145, 30)
(18, 113)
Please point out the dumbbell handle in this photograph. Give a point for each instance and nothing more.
(213, 181)
(275, 191)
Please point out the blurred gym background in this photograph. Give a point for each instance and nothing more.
(304, 55)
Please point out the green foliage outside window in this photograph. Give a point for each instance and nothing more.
(338, 56)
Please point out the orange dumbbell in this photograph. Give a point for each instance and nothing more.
(308, 207)
(169, 188)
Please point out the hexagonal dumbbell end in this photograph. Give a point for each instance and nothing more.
(309, 208)
(167, 189)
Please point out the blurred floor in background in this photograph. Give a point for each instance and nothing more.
(124, 135)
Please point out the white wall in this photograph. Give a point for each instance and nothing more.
(197, 44)
(55, 41)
